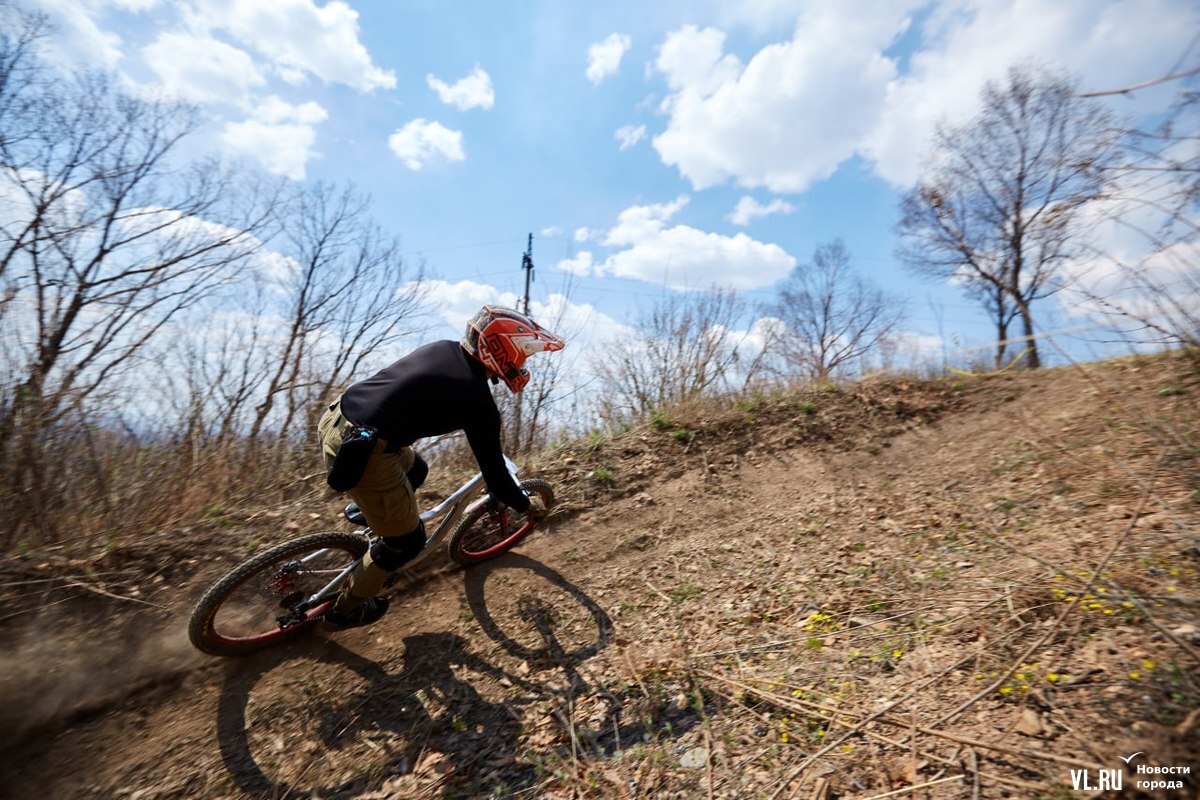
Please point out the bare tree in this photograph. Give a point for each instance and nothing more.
(20, 70)
(1000, 309)
(103, 240)
(998, 207)
(833, 317)
(685, 346)
(215, 361)
(348, 293)
(153, 314)
(1154, 191)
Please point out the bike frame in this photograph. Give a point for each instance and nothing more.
(450, 510)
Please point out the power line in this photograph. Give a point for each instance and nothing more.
(444, 248)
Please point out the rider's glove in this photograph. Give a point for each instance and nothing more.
(537, 508)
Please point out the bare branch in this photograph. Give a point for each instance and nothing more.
(833, 317)
(1174, 76)
(999, 209)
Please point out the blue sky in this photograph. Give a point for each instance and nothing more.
(624, 135)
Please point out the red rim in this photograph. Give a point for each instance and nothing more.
(500, 546)
(310, 617)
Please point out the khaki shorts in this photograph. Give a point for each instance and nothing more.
(384, 493)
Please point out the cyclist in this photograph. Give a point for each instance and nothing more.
(438, 388)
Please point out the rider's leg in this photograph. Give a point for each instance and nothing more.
(385, 557)
(387, 500)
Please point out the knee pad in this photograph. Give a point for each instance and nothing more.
(393, 552)
(417, 472)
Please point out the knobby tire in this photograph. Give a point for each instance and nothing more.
(486, 531)
(204, 627)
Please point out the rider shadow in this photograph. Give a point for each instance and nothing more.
(341, 723)
(540, 617)
(312, 718)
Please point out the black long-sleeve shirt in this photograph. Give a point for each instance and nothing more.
(436, 389)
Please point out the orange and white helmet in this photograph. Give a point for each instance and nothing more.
(502, 339)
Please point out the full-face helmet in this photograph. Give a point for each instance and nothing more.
(502, 339)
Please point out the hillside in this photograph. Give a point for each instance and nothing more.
(970, 587)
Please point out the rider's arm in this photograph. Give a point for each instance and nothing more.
(484, 438)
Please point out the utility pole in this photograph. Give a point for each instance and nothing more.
(527, 265)
(517, 431)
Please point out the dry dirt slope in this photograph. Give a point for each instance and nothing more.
(971, 587)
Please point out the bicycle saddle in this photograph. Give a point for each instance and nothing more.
(353, 513)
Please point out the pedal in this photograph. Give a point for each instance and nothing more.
(353, 513)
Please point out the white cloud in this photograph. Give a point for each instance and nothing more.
(748, 209)
(299, 37)
(582, 234)
(279, 270)
(789, 116)
(135, 6)
(276, 111)
(968, 42)
(637, 224)
(279, 135)
(759, 16)
(149, 221)
(78, 39)
(421, 143)
(628, 135)
(794, 110)
(21, 187)
(585, 327)
(473, 91)
(455, 303)
(911, 350)
(198, 68)
(694, 60)
(551, 232)
(579, 264)
(604, 58)
(681, 257)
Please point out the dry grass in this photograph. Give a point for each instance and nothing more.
(952, 588)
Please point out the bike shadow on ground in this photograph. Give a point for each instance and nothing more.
(314, 718)
(553, 627)
(534, 613)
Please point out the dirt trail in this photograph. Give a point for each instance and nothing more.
(663, 639)
(172, 739)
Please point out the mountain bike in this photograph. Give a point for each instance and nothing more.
(283, 591)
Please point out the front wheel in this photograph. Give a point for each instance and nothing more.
(260, 602)
(487, 531)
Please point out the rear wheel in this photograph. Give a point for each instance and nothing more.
(258, 603)
(487, 531)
